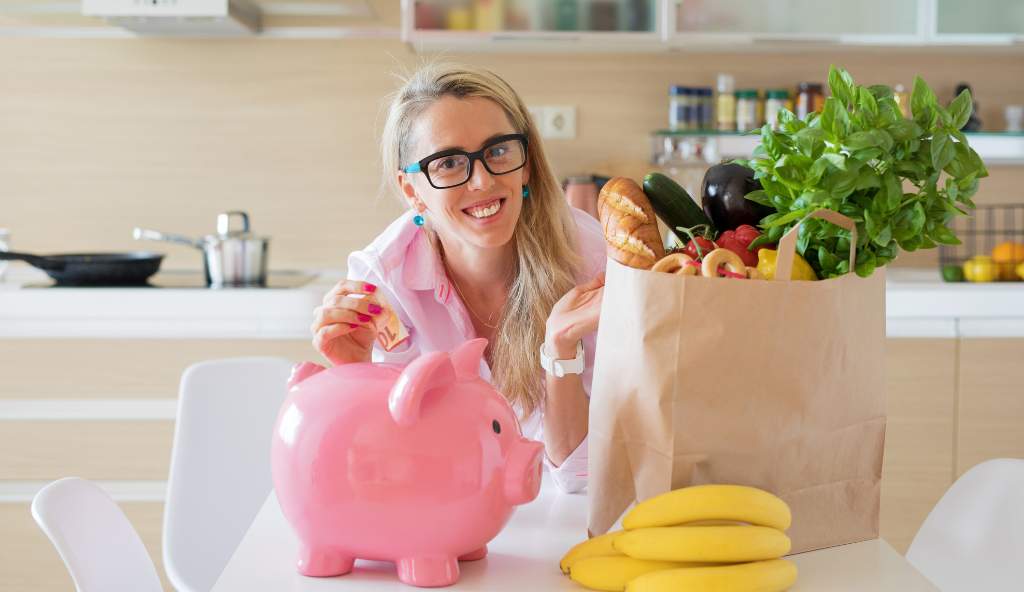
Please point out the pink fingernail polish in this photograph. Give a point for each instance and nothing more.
(364, 318)
(353, 325)
(374, 309)
(371, 288)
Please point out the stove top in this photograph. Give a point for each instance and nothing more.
(184, 279)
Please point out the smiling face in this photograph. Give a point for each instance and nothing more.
(481, 213)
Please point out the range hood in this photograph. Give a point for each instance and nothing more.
(184, 18)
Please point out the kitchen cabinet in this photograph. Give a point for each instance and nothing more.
(991, 401)
(979, 21)
(919, 437)
(799, 20)
(500, 25)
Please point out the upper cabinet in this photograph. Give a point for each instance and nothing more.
(614, 25)
(979, 21)
(658, 25)
(797, 20)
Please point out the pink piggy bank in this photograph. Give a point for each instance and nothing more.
(420, 465)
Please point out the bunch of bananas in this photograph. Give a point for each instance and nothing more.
(705, 537)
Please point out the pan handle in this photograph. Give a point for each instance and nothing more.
(153, 235)
(43, 263)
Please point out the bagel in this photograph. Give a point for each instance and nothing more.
(719, 257)
(676, 263)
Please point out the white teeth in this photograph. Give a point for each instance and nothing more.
(486, 212)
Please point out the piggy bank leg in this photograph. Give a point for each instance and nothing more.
(428, 572)
(323, 562)
(474, 555)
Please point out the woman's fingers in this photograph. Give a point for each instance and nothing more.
(328, 333)
(329, 315)
(346, 287)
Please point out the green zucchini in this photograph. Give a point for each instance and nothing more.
(674, 205)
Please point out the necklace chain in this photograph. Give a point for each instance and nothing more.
(451, 277)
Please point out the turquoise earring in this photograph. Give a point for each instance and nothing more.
(526, 192)
(418, 220)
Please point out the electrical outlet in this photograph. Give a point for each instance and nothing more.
(560, 122)
(537, 114)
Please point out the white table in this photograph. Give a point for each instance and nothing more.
(524, 556)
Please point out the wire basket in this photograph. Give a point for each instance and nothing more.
(995, 231)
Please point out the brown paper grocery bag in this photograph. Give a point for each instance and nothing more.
(773, 384)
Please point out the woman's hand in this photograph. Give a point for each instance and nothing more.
(574, 316)
(344, 327)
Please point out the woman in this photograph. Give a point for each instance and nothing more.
(489, 248)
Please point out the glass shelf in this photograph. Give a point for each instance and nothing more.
(702, 147)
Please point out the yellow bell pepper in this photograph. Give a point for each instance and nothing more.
(766, 260)
(981, 269)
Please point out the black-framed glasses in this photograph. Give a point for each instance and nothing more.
(453, 167)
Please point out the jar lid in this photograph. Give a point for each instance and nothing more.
(678, 90)
(777, 93)
(810, 86)
(747, 93)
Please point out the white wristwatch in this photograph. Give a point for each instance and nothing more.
(562, 367)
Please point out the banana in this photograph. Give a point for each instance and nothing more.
(710, 502)
(717, 544)
(760, 576)
(613, 572)
(592, 547)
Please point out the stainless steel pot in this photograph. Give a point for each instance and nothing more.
(230, 257)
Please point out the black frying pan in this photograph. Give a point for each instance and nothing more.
(94, 269)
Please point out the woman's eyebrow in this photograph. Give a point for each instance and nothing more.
(484, 143)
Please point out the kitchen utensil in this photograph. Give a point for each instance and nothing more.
(93, 269)
(4, 246)
(230, 257)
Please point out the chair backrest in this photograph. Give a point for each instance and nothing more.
(220, 463)
(973, 539)
(98, 544)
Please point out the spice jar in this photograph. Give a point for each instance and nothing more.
(746, 110)
(810, 97)
(725, 105)
(775, 101)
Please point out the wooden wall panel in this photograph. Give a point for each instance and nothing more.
(115, 368)
(103, 135)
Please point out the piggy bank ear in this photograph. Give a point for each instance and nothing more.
(466, 358)
(302, 371)
(427, 376)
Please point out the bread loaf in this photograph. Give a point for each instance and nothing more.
(630, 226)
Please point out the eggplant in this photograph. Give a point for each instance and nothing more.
(723, 197)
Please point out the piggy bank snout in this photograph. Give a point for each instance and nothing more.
(522, 481)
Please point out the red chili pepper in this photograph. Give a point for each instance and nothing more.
(738, 241)
(705, 247)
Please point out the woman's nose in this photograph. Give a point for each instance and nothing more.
(480, 178)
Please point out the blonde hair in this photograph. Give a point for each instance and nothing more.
(544, 237)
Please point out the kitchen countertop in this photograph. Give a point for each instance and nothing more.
(918, 304)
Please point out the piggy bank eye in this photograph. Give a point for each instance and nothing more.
(496, 426)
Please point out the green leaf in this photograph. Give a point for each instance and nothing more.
(922, 99)
(869, 139)
(943, 150)
(893, 192)
(836, 160)
(759, 196)
(786, 219)
(904, 129)
(841, 84)
(884, 236)
(943, 235)
(866, 103)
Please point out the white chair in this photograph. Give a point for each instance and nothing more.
(973, 539)
(98, 544)
(220, 463)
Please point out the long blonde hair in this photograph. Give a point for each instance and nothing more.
(545, 234)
